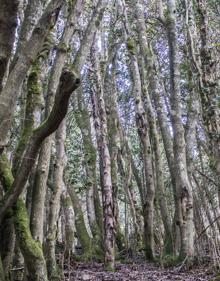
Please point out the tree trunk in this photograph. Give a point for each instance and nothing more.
(60, 163)
(100, 124)
(184, 189)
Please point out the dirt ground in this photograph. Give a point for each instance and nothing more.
(135, 272)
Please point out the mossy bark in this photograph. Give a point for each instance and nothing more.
(100, 124)
(7, 234)
(30, 248)
(110, 97)
(53, 270)
(82, 233)
(69, 224)
(93, 202)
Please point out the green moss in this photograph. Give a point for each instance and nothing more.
(63, 48)
(168, 260)
(30, 248)
(33, 101)
(83, 236)
(109, 266)
(67, 202)
(149, 254)
(5, 173)
(131, 46)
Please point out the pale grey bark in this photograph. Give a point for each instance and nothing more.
(69, 223)
(60, 163)
(86, 42)
(32, 14)
(143, 132)
(100, 124)
(151, 84)
(184, 188)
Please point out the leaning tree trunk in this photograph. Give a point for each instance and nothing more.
(68, 83)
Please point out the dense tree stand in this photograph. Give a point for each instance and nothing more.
(109, 140)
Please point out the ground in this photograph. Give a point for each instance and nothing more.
(135, 272)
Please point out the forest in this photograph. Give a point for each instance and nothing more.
(109, 140)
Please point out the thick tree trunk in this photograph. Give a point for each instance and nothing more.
(30, 248)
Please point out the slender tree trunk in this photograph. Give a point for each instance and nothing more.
(81, 230)
(93, 202)
(60, 164)
(184, 188)
(69, 224)
(209, 90)
(100, 123)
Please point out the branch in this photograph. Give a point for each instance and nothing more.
(205, 176)
(204, 230)
(68, 83)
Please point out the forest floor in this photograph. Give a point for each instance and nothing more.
(136, 272)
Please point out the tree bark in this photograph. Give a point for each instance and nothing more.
(184, 188)
(100, 124)
(60, 163)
